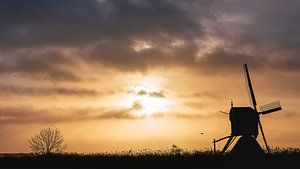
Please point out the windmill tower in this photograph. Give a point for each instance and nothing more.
(245, 122)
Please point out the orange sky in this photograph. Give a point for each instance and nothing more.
(187, 106)
(120, 75)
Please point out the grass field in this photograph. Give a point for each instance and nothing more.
(279, 158)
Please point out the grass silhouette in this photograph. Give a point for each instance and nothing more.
(174, 157)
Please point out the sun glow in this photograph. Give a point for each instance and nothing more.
(151, 105)
(148, 101)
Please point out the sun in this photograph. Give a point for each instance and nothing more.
(151, 105)
(148, 100)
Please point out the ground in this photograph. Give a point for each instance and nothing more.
(287, 159)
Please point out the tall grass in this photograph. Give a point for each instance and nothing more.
(173, 157)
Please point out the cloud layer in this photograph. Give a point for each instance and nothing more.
(7, 91)
(20, 115)
(209, 36)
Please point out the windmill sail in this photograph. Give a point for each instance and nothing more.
(249, 87)
(271, 107)
(253, 101)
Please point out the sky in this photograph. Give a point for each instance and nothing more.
(115, 75)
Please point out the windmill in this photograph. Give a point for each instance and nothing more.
(245, 122)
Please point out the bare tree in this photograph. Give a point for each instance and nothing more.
(47, 141)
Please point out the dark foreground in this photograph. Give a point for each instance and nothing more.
(285, 159)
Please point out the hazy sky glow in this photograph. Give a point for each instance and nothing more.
(131, 74)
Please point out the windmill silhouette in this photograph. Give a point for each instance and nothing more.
(245, 122)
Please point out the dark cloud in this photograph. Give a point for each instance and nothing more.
(78, 22)
(160, 24)
(221, 60)
(141, 35)
(49, 65)
(264, 37)
(48, 22)
(104, 31)
(266, 31)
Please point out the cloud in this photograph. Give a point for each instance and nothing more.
(221, 60)
(26, 114)
(50, 65)
(105, 33)
(117, 114)
(262, 33)
(31, 115)
(151, 94)
(78, 22)
(206, 36)
(200, 94)
(163, 27)
(29, 91)
(195, 105)
(122, 113)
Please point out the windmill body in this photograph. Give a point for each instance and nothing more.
(245, 122)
